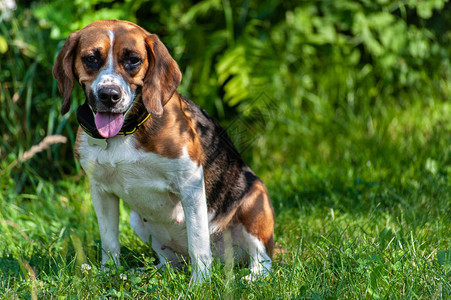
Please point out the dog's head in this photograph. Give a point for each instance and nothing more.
(116, 62)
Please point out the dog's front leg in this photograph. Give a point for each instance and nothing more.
(107, 211)
(195, 208)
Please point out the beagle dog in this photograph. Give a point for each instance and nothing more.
(139, 140)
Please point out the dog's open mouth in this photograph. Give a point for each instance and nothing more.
(109, 124)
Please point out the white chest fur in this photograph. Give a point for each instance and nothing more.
(151, 184)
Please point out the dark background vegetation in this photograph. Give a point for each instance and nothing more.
(334, 72)
(352, 106)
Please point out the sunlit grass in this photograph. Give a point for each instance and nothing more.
(346, 252)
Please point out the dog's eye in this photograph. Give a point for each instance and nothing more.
(133, 61)
(91, 59)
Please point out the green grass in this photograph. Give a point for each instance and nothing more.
(345, 228)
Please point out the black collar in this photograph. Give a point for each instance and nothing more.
(85, 118)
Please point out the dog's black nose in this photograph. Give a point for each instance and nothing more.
(110, 95)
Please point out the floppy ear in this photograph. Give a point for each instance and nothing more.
(163, 76)
(63, 70)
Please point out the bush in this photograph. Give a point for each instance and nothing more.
(319, 63)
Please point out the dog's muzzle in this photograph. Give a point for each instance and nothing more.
(109, 95)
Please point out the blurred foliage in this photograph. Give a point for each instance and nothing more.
(333, 72)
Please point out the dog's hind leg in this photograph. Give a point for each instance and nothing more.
(259, 260)
(257, 216)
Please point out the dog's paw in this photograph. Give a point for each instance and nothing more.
(251, 275)
(200, 275)
(138, 270)
(162, 266)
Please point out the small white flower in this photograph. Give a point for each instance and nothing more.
(85, 268)
(6, 9)
(123, 276)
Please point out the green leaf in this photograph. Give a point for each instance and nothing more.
(3, 45)
(135, 280)
(424, 10)
(431, 165)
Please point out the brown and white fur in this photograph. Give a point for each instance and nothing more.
(185, 182)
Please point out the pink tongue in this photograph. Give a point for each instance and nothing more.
(109, 124)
